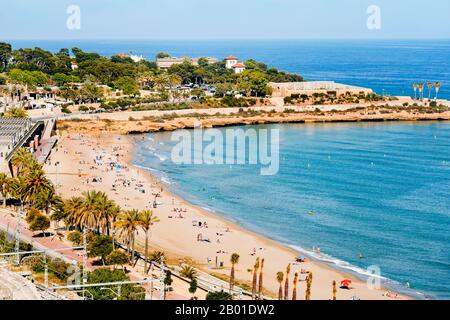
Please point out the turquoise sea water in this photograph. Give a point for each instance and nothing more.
(389, 65)
(380, 189)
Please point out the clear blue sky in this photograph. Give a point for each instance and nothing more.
(210, 19)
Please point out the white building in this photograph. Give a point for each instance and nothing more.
(232, 62)
(74, 65)
(239, 68)
(136, 58)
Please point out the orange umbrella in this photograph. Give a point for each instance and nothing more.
(346, 283)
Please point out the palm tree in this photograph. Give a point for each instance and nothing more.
(146, 221)
(429, 86)
(286, 283)
(294, 291)
(234, 261)
(47, 200)
(188, 272)
(255, 278)
(415, 86)
(437, 86)
(21, 159)
(421, 85)
(280, 277)
(73, 208)
(157, 255)
(34, 184)
(128, 224)
(3, 187)
(16, 187)
(113, 215)
(308, 286)
(106, 210)
(16, 112)
(334, 290)
(87, 214)
(260, 285)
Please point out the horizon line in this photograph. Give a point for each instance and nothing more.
(226, 39)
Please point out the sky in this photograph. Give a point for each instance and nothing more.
(224, 19)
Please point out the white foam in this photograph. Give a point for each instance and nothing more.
(147, 168)
(160, 157)
(166, 180)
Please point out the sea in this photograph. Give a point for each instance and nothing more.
(372, 196)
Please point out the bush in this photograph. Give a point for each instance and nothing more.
(75, 237)
(117, 257)
(57, 266)
(64, 109)
(129, 292)
(31, 215)
(222, 296)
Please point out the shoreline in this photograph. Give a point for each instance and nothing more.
(327, 261)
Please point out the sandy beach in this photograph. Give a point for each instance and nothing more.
(84, 165)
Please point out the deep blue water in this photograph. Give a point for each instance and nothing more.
(380, 189)
(389, 65)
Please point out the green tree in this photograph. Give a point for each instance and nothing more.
(5, 55)
(61, 79)
(4, 181)
(47, 200)
(168, 279)
(35, 183)
(104, 275)
(234, 260)
(128, 86)
(162, 55)
(76, 237)
(31, 215)
(193, 288)
(128, 223)
(257, 80)
(220, 296)
(117, 258)
(146, 221)
(40, 223)
(101, 247)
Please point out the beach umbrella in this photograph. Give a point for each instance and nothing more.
(346, 283)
